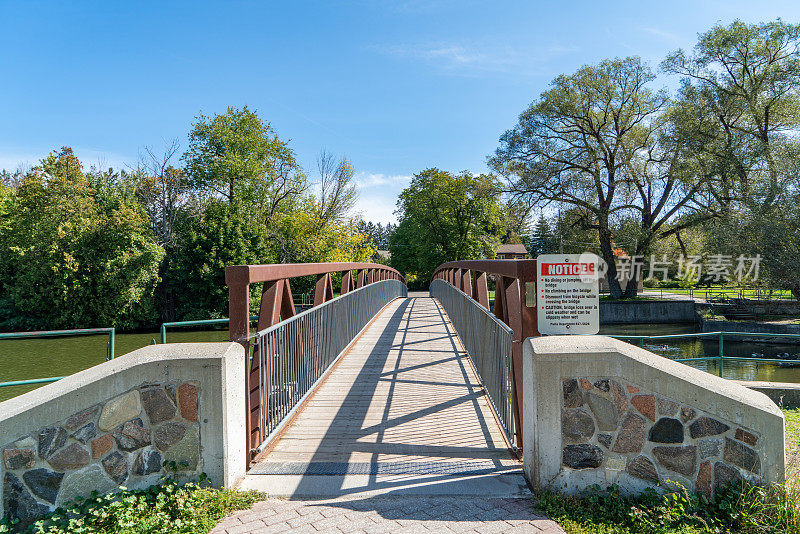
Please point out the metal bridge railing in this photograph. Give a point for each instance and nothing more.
(488, 343)
(293, 355)
(719, 337)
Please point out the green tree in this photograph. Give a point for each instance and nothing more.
(446, 217)
(599, 141)
(542, 240)
(239, 157)
(741, 86)
(195, 272)
(73, 257)
(740, 105)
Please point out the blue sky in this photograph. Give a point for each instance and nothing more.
(396, 86)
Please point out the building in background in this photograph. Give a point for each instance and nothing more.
(512, 252)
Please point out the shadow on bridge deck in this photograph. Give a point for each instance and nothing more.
(403, 412)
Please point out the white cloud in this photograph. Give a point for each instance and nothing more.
(366, 180)
(377, 195)
(470, 60)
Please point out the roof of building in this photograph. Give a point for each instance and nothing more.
(384, 254)
(507, 248)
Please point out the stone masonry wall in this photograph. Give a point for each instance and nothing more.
(612, 425)
(122, 442)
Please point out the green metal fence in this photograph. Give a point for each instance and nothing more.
(57, 333)
(201, 322)
(720, 337)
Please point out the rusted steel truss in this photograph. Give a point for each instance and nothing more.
(277, 304)
(514, 304)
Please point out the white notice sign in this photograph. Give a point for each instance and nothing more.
(568, 294)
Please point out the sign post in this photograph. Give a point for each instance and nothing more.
(568, 294)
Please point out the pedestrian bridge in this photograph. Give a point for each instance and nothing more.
(375, 391)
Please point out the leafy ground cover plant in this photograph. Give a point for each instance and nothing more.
(169, 507)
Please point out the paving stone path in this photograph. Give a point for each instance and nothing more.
(406, 514)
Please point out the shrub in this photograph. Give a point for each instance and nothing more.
(169, 507)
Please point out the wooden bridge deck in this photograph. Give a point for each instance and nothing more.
(402, 409)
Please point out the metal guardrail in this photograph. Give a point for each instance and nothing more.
(199, 322)
(293, 355)
(488, 343)
(58, 333)
(720, 358)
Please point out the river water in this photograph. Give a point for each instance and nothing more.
(22, 359)
(39, 358)
(709, 347)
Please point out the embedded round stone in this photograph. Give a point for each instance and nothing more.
(120, 409)
(102, 445)
(682, 460)
(132, 435)
(706, 426)
(705, 479)
(666, 430)
(70, 457)
(187, 399)
(157, 405)
(605, 440)
(79, 419)
(630, 437)
(43, 483)
(82, 483)
(667, 407)
(50, 440)
(747, 437)
(85, 433)
(646, 404)
(602, 385)
(741, 455)
(149, 461)
(19, 458)
(167, 434)
(585, 384)
(576, 425)
(186, 453)
(582, 456)
(116, 467)
(641, 467)
(620, 398)
(709, 447)
(572, 394)
(725, 475)
(604, 411)
(18, 503)
(687, 414)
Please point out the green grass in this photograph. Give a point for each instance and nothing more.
(727, 291)
(168, 508)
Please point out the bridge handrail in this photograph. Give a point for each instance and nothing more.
(277, 304)
(487, 341)
(292, 356)
(277, 301)
(514, 305)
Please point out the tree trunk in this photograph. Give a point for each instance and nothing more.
(608, 256)
(632, 286)
(796, 291)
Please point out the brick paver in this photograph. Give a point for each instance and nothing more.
(401, 514)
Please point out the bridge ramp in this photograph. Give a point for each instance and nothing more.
(402, 412)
